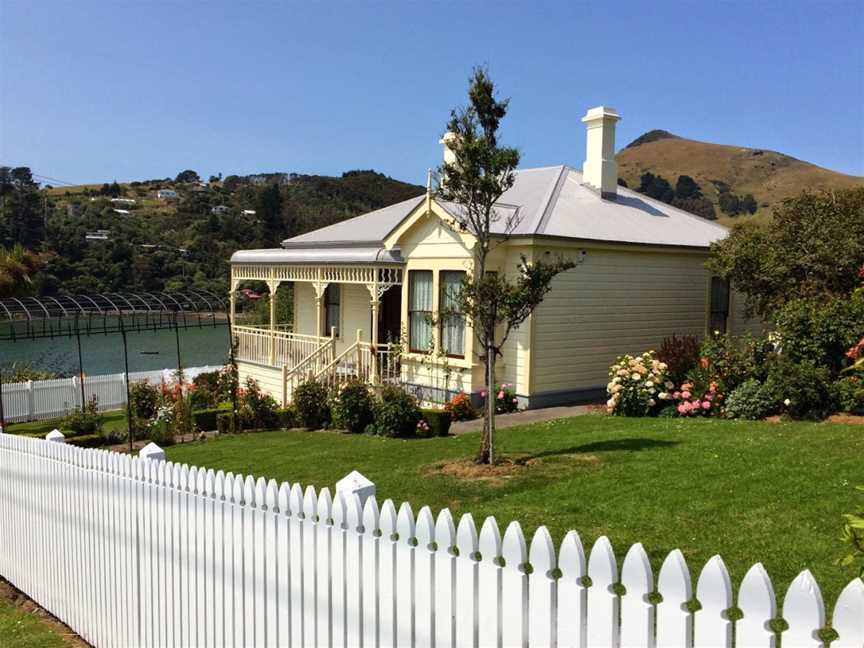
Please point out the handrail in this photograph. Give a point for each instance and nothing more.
(335, 361)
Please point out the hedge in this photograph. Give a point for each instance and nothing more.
(438, 420)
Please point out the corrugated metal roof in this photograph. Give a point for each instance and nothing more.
(318, 253)
(546, 201)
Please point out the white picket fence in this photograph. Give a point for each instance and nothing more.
(137, 552)
(41, 399)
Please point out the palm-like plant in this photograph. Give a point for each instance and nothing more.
(18, 265)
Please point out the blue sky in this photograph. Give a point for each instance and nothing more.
(94, 91)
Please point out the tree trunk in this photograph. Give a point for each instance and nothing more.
(487, 447)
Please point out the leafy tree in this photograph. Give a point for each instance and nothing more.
(699, 206)
(686, 188)
(813, 248)
(268, 208)
(21, 208)
(729, 203)
(748, 204)
(187, 176)
(483, 170)
(656, 187)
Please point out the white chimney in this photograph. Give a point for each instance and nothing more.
(600, 170)
(449, 156)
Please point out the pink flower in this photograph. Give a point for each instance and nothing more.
(682, 409)
(676, 395)
(482, 394)
(501, 395)
(515, 400)
(685, 394)
(706, 405)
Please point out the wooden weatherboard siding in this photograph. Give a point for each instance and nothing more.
(616, 301)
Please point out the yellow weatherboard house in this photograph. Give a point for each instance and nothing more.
(373, 295)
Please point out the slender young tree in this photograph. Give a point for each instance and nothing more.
(480, 172)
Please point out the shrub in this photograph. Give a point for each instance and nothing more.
(853, 535)
(396, 413)
(729, 360)
(225, 423)
(161, 428)
(750, 400)
(86, 441)
(820, 331)
(205, 420)
(803, 388)
(310, 399)
(144, 399)
(636, 385)
(287, 417)
(87, 420)
(680, 354)
(695, 397)
(849, 394)
(437, 421)
(256, 409)
(352, 407)
(460, 408)
(505, 399)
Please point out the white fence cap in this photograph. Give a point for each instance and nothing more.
(356, 482)
(56, 435)
(152, 451)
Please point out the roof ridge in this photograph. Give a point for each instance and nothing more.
(550, 200)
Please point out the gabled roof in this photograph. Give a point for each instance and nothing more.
(545, 202)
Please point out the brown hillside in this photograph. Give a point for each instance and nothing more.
(770, 176)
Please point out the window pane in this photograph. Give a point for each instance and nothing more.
(331, 309)
(719, 304)
(420, 310)
(452, 319)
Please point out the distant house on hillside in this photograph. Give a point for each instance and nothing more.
(373, 295)
(122, 212)
(123, 201)
(248, 212)
(220, 209)
(166, 194)
(281, 179)
(98, 235)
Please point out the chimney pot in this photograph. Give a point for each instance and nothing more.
(600, 170)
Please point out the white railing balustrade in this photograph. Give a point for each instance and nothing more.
(141, 552)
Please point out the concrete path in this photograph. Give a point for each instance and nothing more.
(523, 418)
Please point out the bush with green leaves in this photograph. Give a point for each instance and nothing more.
(396, 412)
(144, 399)
(750, 400)
(849, 394)
(352, 407)
(161, 428)
(86, 420)
(437, 422)
(311, 401)
(730, 360)
(257, 410)
(820, 330)
(802, 389)
(853, 535)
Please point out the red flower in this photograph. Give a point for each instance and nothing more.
(856, 351)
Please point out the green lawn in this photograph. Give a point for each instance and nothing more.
(769, 492)
(114, 420)
(21, 629)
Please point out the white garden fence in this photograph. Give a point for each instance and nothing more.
(138, 552)
(41, 399)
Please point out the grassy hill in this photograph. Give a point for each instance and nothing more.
(770, 176)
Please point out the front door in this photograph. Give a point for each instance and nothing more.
(390, 316)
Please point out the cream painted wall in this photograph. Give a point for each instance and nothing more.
(355, 313)
(269, 378)
(617, 301)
